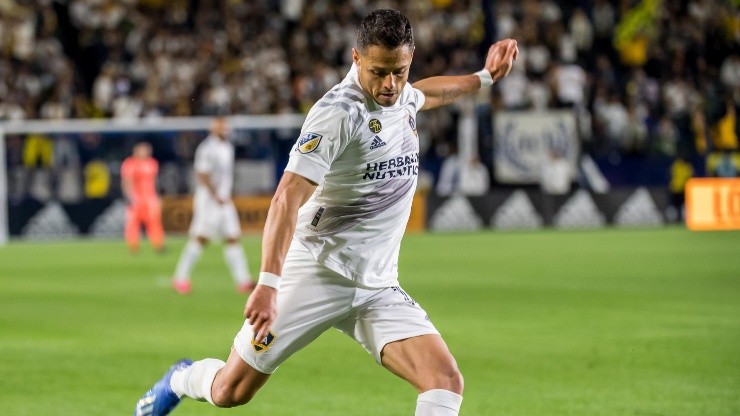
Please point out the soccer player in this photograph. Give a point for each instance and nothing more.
(333, 232)
(214, 214)
(138, 176)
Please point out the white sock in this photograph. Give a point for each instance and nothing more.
(189, 256)
(237, 261)
(438, 402)
(196, 380)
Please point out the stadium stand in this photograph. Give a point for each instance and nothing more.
(649, 80)
(653, 77)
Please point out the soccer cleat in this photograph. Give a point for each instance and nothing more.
(181, 286)
(160, 399)
(246, 287)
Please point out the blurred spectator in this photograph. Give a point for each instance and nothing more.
(555, 178)
(569, 82)
(723, 132)
(729, 74)
(681, 171)
(723, 164)
(582, 31)
(513, 89)
(613, 115)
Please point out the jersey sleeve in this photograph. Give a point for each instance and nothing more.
(203, 160)
(324, 135)
(418, 97)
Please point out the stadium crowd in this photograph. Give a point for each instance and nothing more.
(644, 76)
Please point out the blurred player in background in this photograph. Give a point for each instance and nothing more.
(214, 214)
(138, 176)
(333, 233)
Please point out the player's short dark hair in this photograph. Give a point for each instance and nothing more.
(384, 27)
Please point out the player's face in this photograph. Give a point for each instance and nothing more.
(142, 151)
(383, 72)
(220, 128)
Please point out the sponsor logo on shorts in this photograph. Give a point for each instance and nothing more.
(375, 125)
(308, 142)
(263, 344)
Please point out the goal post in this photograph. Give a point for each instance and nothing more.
(4, 232)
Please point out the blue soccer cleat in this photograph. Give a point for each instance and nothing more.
(160, 399)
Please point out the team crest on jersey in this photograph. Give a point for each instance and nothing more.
(375, 125)
(308, 142)
(263, 344)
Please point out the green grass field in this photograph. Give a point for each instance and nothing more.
(610, 322)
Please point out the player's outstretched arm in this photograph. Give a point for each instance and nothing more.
(292, 192)
(445, 90)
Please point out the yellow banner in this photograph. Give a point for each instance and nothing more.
(177, 211)
(713, 204)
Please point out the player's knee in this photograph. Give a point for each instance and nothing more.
(450, 379)
(455, 381)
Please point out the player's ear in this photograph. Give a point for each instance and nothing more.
(355, 57)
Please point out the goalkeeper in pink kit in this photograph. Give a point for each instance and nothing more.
(138, 177)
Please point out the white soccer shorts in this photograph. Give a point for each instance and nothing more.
(214, 220)
(313, 298)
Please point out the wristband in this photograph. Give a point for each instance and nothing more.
(269, 279)
(486, 80)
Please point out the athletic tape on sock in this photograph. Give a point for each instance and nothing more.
(440, 397)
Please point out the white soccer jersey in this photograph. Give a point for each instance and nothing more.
(215, 157)
(365, 159)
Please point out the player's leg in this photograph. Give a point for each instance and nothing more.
(154, 229)
(132, 228)
(228, 384)
(233, 250)
(310, 300)
(222, 384)
(398, 333)
(427, 364)
(188, 258)
(204, 222)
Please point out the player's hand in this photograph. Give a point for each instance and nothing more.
(261, 310)
(501, 57)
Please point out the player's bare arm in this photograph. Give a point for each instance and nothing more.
(205, 180)
(292, 192)
(443, 90)
(127, 186)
